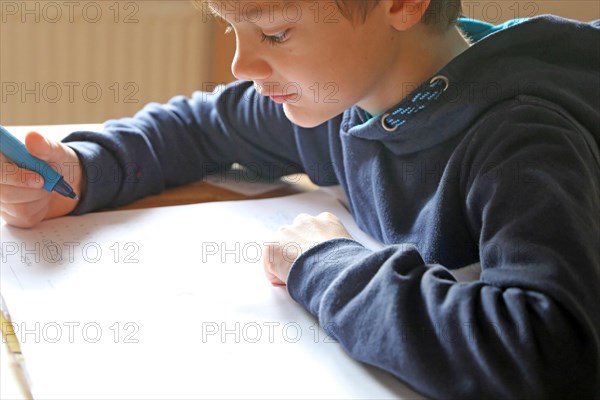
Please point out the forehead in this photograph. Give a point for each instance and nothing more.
(245, 10)
(269, 10)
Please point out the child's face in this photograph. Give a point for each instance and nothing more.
(306, 55)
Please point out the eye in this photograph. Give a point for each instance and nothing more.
(275, 39)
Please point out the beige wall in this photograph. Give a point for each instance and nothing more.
(501, 10)
(88, 61)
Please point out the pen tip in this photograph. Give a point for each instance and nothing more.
(74, 196)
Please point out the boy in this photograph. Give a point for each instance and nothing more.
(452, 153)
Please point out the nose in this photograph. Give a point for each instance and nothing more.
(248, 64)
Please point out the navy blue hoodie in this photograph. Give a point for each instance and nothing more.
(495, 161)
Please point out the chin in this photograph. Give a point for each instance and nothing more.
(305, 118)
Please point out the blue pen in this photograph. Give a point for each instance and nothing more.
(16, 151)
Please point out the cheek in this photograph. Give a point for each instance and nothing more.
(323, 85)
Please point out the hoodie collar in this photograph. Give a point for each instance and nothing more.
(399, 127)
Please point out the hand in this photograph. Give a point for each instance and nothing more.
(23, 202)
(292, 240)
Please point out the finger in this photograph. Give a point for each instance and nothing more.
(274, 280)
(24, 222)
(12, 175)
(20, 177)
(302, 217)
(53, 152)
(16, 194)
(47, 150)
(332, 221)
(327, 215)
(268, 260)
(267, 270)
(26, 210)
(282, 228)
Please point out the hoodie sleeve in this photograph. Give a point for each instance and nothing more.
(182, 141)
(529, 328)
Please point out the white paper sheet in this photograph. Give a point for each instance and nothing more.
(172, 303)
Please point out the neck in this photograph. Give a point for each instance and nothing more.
(428, 52)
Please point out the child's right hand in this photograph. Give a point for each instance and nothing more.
(23, 202)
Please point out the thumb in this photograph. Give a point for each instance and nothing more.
(43, 148)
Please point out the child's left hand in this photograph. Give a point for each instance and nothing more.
(292, 240)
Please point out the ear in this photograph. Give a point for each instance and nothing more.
(404, 14)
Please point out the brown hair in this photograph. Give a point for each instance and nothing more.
(441, 15)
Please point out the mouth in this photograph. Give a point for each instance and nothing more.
(277, 98)
(283, 98)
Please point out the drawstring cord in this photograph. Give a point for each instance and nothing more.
(392, 120)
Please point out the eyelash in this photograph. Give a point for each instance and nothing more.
(274, 39)
(270, 39)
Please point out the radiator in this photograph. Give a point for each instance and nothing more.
(89, 61)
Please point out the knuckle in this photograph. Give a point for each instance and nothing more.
(19, 222)
(302, 217)
(24, 211)
(282, 228)
(28, 222)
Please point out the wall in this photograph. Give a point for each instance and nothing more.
(497, 11)
(88, 61)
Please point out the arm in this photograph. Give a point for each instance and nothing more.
(530, 327)
(180, 142)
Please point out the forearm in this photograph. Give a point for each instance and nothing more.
(182, 141)
(443, 338)
(529, 327)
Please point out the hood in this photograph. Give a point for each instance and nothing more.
(548, 57)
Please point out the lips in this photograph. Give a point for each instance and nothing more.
(283, 98)
(267, 91)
